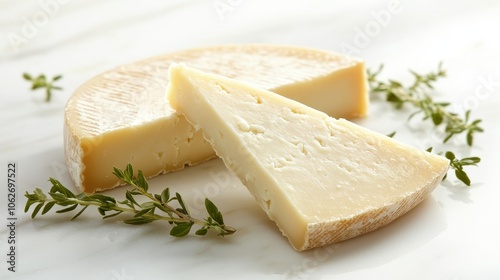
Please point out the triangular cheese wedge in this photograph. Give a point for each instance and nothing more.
(322, 180)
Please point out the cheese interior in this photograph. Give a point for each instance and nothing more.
(321, 179)
(122, 116)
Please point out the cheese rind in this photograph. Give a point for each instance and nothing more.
(122, 116)
(322, 180)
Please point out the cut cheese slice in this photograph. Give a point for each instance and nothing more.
(122, 116)
(322, 180)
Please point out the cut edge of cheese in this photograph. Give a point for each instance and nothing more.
(328, 180)
(152, 141)
(318, 93)
(104, 116)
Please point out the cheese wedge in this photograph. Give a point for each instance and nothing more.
(322, 180)
(122, 116)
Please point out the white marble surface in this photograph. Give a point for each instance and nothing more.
(452, 235)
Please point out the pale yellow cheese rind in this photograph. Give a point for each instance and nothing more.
(322, 180)
(122, 116)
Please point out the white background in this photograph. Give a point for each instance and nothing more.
(452, 235)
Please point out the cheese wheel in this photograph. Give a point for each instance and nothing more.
(122, 116)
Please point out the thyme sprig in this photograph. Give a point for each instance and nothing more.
(417, 94)
(42, 82)
(143, 213)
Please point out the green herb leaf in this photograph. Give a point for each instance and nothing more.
(37, 209)
(462, 176)
(112, 215)
(201, 231)
(71, 208)
(450, 155)
(181, 202)
(470, 161)
(139, 220)
(142, 212)
(79, 213)
(391, 135)
(181, 229)
(103, 198)
(437, 118)
(118, 173)
(470, 139)
(141, 181)
(165, 195)
(131, 198)
(213, 211)
(48, 206)
(101, 211)
(27, 77)
(128, 173)
(148, 205)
